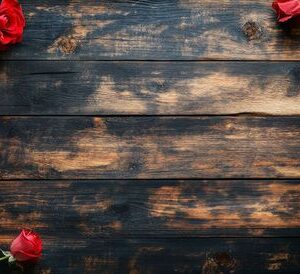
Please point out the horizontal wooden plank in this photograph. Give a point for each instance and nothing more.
(155, 30)
(149, 147)
(160, 256)
(147, 88)
(152, 208)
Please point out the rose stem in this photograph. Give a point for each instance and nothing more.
(4, 258)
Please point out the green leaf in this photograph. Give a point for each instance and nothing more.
(6, 253)
(11, 259)
(4, 258)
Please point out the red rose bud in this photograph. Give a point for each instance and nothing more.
(12, 23)
(286, 9)
(26, 247)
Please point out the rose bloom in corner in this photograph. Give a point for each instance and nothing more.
(287, 9)
(12, 23)
(27, 247)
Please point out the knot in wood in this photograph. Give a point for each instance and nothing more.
(220, 262)
(67, 44)
(252, 30)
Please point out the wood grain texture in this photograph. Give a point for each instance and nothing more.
(149, 147)
(168, 88)
(152, 208)
(161, 256)
(156, 30)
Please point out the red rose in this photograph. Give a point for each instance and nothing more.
(286, 9)
(12, 23)
(27, 246)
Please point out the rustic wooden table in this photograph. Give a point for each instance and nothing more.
(153, 137)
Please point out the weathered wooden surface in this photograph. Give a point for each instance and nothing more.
(168, 256)
(155, 30)
(164, 209)
(171, 88)
(181, 218)
(149, 147)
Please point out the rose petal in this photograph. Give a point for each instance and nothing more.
(286, 9)
(27, 246)
(12, 23)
